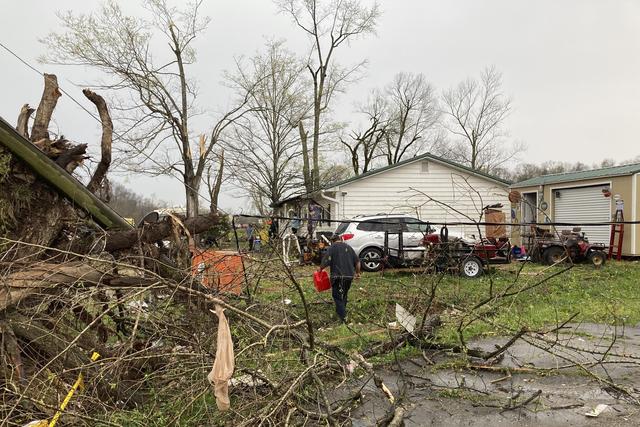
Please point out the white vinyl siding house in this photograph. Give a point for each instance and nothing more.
(426, 186)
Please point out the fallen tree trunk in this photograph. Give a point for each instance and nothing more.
(44, 277)
(151, 233)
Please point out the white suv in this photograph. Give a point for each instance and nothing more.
(365, 234)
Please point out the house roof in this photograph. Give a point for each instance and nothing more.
(59, 178)
(580, 175)
(288, 199)
(425, 156)
(294, 198)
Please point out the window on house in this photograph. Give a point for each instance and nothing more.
(424, 166)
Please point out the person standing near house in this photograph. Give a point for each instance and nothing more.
(295, 222)
(250, 235)
(315, 213)
(273, 230)
(345, 266)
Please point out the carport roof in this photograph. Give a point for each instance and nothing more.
(580, 175)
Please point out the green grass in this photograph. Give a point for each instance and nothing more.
(609, 295)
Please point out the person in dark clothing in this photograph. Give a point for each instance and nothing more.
(273, 230)
(250, 235)
(345, 266)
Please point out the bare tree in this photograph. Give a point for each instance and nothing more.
(363, 145)
(476, 111)
(413, 116)
(333, 173)
(263, 152)
(132, 205)
(328, 24)
(524, 171)
(403, 121)
(146, 61)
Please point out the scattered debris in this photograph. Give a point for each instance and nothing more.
(405, 318)
(597, 410)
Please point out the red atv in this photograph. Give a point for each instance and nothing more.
(550, 249)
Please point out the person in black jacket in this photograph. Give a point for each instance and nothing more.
(345, 266)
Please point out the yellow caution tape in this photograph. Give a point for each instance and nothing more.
(78, 384)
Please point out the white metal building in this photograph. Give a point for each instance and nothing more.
(590, 196)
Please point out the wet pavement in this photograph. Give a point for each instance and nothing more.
(445, 393)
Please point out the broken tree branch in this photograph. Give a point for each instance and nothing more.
(23, 120)
(50, 95)
(72, 157)
(105, 143)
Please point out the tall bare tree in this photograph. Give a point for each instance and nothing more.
(334, 172)
(413, 116)
(146, 62)
(476, 112)
(328, 24)
(263, 152)
(403, 120)
(363, 145)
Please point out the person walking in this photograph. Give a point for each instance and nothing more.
(345, 266)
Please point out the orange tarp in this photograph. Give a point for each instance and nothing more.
(221, 270)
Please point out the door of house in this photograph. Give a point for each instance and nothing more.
(529, 209)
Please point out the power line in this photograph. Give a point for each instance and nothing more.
(447, 223)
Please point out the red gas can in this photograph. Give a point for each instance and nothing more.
(321, 281)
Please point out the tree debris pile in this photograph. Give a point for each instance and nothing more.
(72, 287)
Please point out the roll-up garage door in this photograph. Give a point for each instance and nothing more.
(584, 204)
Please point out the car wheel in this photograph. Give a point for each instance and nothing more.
(553, 255)
(371, 259)
(471, 267)
(597, 258)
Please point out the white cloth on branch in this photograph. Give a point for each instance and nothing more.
(224, 364)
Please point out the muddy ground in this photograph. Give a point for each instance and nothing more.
(444, 393)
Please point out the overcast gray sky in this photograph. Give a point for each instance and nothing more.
(572, 67)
